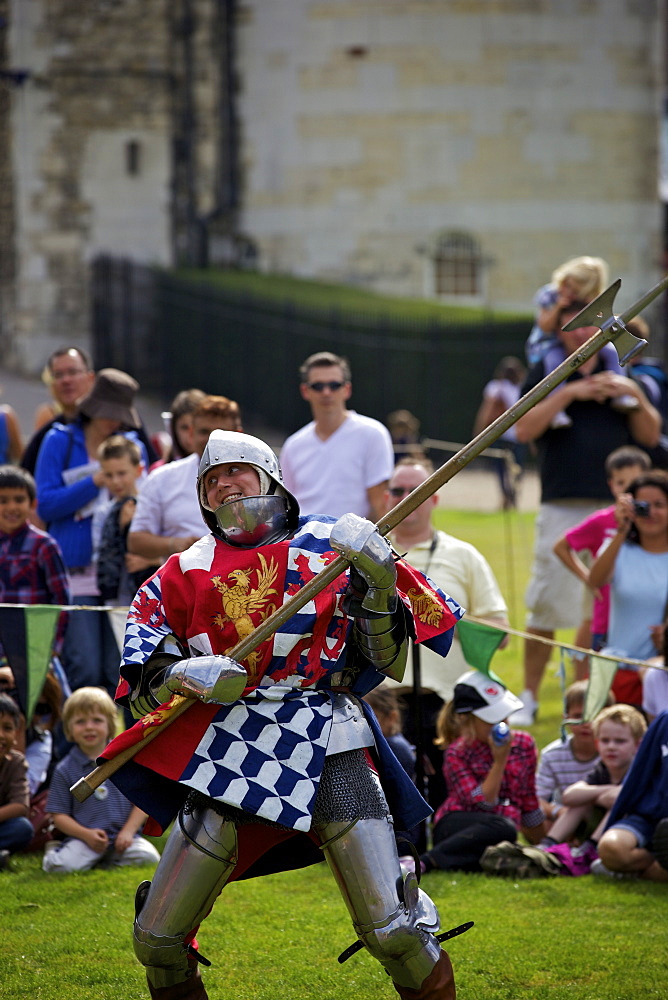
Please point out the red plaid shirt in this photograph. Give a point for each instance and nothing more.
(467, 764)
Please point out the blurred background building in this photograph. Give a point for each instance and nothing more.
(424, 148)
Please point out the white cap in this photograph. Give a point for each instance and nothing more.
(487, 699)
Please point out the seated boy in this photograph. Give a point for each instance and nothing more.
(563, 762)
(635, 841)
(104, 827)
(618, 730)
(119, 572)
(15, 827)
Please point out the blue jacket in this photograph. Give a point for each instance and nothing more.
(64, 447)
(645, 788)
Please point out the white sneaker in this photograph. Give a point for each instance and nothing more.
(624, 404)
(598, 868)
(526, 715)
(561, 419)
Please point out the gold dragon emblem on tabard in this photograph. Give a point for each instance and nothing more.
(425, 606)
(240, 600)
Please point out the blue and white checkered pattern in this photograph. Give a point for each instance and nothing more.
(265, 755)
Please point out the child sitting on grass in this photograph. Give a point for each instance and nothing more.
(635, 841)
(618, 731)
(15, 827)
(564, 762)
(104, 827)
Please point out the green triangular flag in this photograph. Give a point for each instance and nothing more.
(601, 676)
(41, 624)
(479, 643)
(27, 639)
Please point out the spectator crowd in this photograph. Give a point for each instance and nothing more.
(92, 505)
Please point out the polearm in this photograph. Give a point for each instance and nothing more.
(611, 329)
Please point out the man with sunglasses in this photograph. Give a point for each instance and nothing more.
(341, 461)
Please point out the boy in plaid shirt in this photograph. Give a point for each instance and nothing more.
(32, 570)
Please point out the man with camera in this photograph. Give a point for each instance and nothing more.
(571, 458)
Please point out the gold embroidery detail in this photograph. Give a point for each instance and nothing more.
(425, 607)
(239, 601)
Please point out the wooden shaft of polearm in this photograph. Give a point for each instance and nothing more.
(85, 786)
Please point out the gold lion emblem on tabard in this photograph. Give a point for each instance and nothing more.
(425, 606)
(240, 600)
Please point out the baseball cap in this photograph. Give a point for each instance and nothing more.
(486, 699)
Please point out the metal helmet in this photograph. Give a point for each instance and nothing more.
(249, 521)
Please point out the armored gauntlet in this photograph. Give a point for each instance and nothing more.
(370, 557)
(371, 598)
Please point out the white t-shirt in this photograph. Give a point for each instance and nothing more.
(332, 476)
(655, 691)
(463, 573)
(167, 503)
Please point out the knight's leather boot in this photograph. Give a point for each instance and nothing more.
(439, 984)
(191, 988)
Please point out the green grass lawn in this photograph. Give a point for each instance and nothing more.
(560, 939)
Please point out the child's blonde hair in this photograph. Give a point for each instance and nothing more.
(590, 274)
(623, 715)
(450, 725)
(89, 699)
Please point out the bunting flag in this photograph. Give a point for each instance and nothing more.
(479, 643)
(601, 675)
(118, 618)
(27, 636)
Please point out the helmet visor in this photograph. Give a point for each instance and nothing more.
(252, 521)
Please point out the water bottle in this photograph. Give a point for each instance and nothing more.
(500, 734)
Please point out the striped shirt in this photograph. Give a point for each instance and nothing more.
(558, 768)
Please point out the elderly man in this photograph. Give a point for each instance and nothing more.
(277, 756)
(462, 572)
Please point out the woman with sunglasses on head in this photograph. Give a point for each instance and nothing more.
(635, 564)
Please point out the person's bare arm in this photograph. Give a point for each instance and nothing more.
(581, 794)
(12, 810)
(126, 834)
(534, 423)
(376, 498)
(93, 837)
(156, 548)
(14, 434)
(645, 422)
(570, 560)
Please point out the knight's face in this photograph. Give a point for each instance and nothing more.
(230, 481)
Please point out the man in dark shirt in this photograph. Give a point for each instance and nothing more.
(571, 456)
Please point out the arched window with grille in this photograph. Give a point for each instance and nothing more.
(455, 267)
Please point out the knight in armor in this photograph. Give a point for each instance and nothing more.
(277, 761)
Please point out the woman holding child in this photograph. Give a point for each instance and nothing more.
(635, 563)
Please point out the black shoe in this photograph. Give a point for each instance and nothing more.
(4, 860)
(660, 843)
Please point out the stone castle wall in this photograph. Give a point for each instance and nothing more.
(370, 127)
